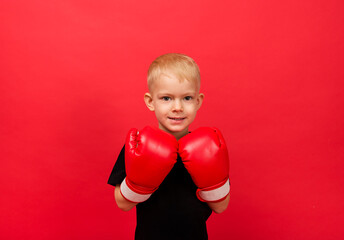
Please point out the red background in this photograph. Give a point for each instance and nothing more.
(73, 75)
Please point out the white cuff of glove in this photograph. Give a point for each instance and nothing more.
(132, 196)
(215, 194)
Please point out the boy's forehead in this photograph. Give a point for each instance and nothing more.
(167, 83)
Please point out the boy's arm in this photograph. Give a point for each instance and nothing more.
(219, 207)
(121, 202)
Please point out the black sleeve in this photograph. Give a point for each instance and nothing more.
(118, 172)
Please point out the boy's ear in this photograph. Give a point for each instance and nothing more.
(200, 100)
(149, 101)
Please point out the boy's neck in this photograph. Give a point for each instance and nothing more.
(177, 135)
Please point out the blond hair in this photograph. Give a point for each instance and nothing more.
(180, 65)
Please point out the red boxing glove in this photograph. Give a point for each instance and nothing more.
(205, 156)
(149, 157)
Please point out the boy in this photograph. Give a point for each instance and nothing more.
(173, 177)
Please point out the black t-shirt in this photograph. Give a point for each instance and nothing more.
(173, 211)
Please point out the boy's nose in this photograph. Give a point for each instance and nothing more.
(177, 106)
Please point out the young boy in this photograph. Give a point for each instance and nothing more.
(173, 177)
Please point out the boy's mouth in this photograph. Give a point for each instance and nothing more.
(176, 118)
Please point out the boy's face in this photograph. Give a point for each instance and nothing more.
(175, 103)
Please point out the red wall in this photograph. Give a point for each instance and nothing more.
(72, 83)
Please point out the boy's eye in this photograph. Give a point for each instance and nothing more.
(188, 98)
(166, 98)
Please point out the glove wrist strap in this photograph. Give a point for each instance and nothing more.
(130, 195)
(214, 195)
